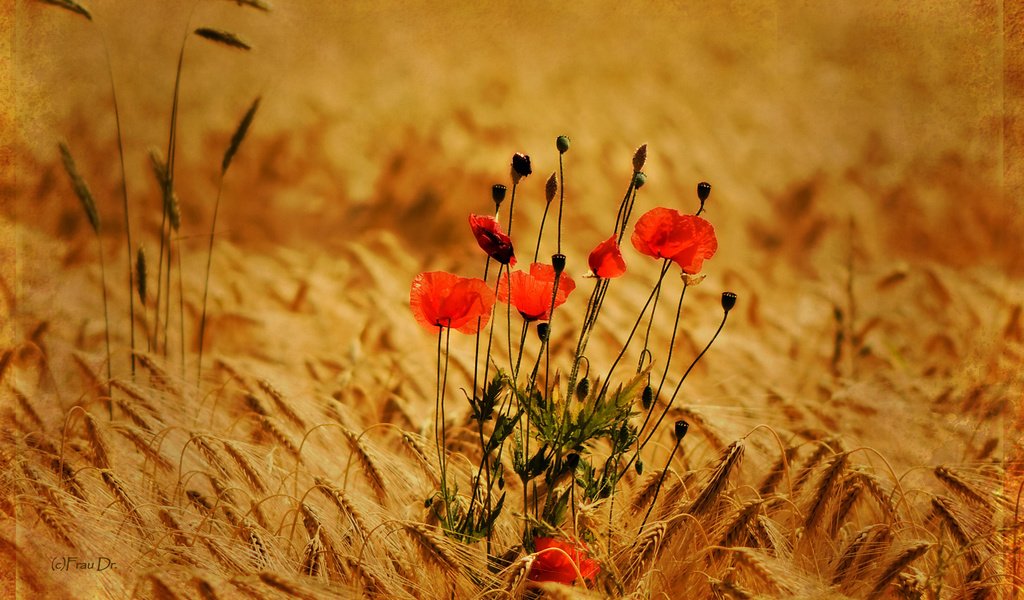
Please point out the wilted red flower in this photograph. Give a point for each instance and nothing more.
(439, 299)
(606, 259)
(492, 239)
(687, 240)
(558, 561)
(531, 292)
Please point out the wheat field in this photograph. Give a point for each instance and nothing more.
(854, 429)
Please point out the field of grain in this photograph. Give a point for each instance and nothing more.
(854, 430)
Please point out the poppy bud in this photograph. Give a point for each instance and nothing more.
(648, 397)
(572, 460)
(542, 331)
(583, 389)
(501, 482)
(520, 166)
(703, 191)
(639, 158)
(681, 427)
(639, 466)
(562, 143)
(728, 301)
(558, 262)
(551, 188)
(639, 180)
(498, 194)
(428, 502)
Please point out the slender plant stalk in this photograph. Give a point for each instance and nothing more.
(657, 489)
(206, 283)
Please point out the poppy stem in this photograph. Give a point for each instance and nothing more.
(647, 334)
(581, 344)
(626, 213)
(622, 352)
(657, 488)
(440, 433)
(668, 363)
(668, 407)
(561, 200)
(540, 234)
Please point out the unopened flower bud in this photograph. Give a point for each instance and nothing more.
(681, 428)
(501, 482)
(428, 502)
(498, 194)
(551, 188)
(562, 143)
(639, 158)
(648, 397)
(639, 466)
(639, 180)
(558, 262)
(542, 331)
(703, 191)
(583, 389)
(520, 166)
(572, 460)
(728, 301)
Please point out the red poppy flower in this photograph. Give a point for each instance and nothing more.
(687, 240)
(558, 561)
(531, 292)
(606, 259)
(439, 299)
(492, 239)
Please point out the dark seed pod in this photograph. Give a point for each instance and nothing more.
(542, 331)
(681, 429)
(558, 262)
(639, 466)
(572, 460)
(648, 397)
(501, 482)
(639, 158)
(551, 188)
(428, 502)
(583, 389)
(498, 193)
(639, 180)
(703, 191)
(728, 301)
(562, 143)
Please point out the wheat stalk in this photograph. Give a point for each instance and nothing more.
(902, 560)
(731, 457)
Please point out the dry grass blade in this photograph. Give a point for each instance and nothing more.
(257, 4)
(140, 274)
(70, 5)
(902, 560)
(517, 577)
(81, 189)
(239, 135)
(117, 488)
(222, 37)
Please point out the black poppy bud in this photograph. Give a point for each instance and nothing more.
(648, 397)
(639, 466)
(520, 166)
(562, 143)
(703, 191)
(639, 180)
(583, 389)
(728, 301)
(428, 502)
(498, 193)
(501, 482)
(639, 158)
(542, 331)
(681, 427)
(572, 460)
(558, 262)
(551, 188)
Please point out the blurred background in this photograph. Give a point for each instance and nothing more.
(863, 199)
